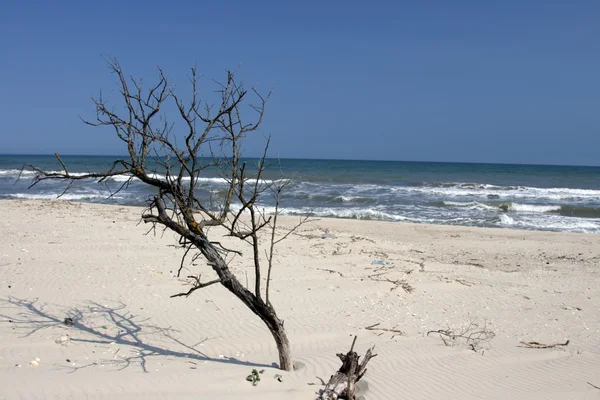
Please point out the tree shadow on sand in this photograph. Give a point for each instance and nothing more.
(104, 325)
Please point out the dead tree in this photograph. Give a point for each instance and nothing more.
(171, 158)
(342, 385)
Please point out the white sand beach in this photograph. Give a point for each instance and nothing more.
(130, 340)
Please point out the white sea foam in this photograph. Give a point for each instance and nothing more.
(541, 222)
(514, 207)
(473, 205)
(121, 178)
(360, 213)
(30, 173)
(347, 199)
(201, 180)
(126, 177)
(66, 196)
(554, 223)
(506, 220)
(352, 213)
(507, 193)
(14, 172)
(532, 208)
(59, 172)
(371, 214)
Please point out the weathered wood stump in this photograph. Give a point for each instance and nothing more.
(342, 385)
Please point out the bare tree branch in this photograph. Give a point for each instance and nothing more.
(197, 285)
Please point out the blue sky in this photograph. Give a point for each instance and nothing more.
(474, 81)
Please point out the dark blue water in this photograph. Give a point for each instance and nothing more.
(560, 198)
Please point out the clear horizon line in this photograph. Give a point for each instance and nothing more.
(327, 159)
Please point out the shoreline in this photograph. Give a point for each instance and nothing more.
(92, 262)
(356, 220)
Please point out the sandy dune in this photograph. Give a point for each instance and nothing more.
(93, 263)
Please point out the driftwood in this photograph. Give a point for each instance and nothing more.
(342, 385)
(375, 327)
(537, 345)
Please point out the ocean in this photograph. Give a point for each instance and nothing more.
(532, 197)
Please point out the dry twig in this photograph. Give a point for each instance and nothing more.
(375, 327)
(472, 334)
(537, 345)
(594, 386)
(331, 271)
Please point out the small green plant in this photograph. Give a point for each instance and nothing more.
(254, 377)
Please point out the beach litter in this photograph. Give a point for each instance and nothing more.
(381, 262)
(327, 236)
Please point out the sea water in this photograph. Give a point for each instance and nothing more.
(534, 197)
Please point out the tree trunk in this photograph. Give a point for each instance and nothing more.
(283, 347)
(266, 312)
(253, 301)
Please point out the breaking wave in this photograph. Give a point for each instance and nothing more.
(564, 210)
(484, 191)
(66, 196)
(323, 195)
